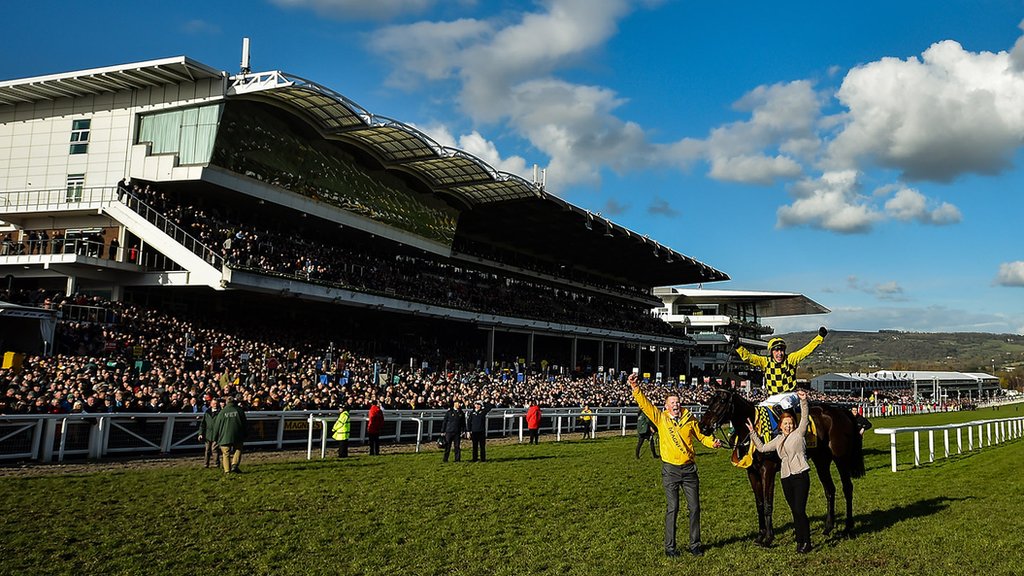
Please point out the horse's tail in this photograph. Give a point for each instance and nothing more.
(857, 453)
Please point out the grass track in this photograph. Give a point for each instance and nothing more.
(557, 508)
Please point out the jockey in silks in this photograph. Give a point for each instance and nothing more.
(779, 368)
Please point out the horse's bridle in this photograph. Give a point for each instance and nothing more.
(720, 419)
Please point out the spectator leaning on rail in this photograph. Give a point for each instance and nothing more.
(779, 368)
(229, 430)
(677, 429)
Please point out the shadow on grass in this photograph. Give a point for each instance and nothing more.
(879, 520)
(875, 521)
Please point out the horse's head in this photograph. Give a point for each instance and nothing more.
(718, 412)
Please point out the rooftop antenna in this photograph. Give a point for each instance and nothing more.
(535, 174)
(543, 178)
(245, 56)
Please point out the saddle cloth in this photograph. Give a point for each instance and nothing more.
(766, 424)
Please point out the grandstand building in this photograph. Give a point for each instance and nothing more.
(269, 198)
(713, 317)
(924, 384)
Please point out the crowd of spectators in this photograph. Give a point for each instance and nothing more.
(146, 360)
(268, 246)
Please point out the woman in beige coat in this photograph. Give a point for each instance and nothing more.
(796, 480)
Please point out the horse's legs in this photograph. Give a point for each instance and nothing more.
(823, 466)
(844, 476)
(758, 488)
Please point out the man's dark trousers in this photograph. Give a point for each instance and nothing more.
(479, 442)
(673, 478)
(449, 439)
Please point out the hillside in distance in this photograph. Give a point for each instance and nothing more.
(842, 351)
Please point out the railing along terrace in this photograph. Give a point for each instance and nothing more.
(57, 198)
(170, 228)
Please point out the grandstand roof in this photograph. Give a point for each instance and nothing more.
(768, 304)
(109, 79)
(496, 207)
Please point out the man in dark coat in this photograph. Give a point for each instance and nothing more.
(229, 429)
(453, 426)
(477, 421)
(206, 432)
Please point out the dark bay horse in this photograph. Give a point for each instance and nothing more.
(839, 441)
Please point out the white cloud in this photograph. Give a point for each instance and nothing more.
(909, 204)
(948, 113)
(359, 9)
(1011, 274)
(832, 202)
(890, 291)
(506, 71)
(762, 149)
(480, 147)
(427, 49)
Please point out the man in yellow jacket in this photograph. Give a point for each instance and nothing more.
(677, 429)
(342, 430)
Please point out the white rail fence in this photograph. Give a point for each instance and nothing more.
(53, 437)
(980, 433)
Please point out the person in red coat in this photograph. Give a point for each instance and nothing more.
(373, 427)
(533, 422)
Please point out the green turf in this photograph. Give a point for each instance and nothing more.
(558, 508)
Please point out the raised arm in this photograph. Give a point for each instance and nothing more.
(801, 428)
(652, 413)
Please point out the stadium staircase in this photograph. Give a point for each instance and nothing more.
(203, 266)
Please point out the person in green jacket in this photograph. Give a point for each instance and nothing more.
(342, 430)
(645, 432)
(229, 430)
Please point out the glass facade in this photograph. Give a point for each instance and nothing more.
(268, 144)
(188, 132)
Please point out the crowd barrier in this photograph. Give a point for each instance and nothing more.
(55, 437)
(989, 432)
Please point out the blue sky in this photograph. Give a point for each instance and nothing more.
(867, 154)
